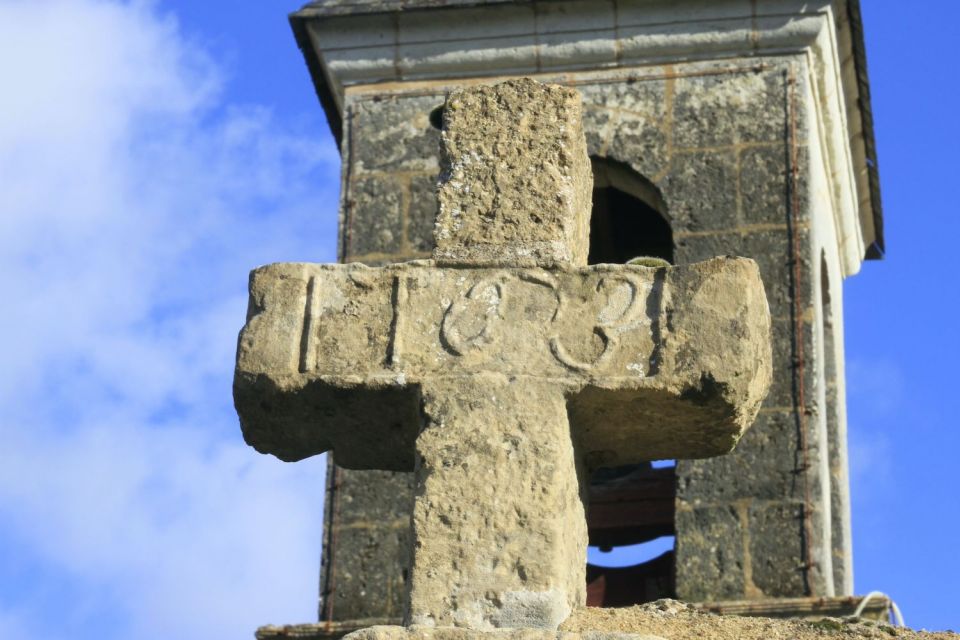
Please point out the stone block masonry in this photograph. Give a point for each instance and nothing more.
(715, 139)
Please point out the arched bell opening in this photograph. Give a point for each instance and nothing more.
(629, 216)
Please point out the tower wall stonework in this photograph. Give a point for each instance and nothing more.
(731, 148)
(388, 207)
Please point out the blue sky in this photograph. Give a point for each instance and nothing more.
(151, 153)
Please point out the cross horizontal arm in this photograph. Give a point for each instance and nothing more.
(655, 363)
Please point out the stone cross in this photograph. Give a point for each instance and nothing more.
(505, 369)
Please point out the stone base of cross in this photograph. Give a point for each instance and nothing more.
(416, 632)
(505, 370)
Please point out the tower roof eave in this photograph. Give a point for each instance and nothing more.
(328, 90)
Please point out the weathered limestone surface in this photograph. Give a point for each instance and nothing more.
(332, 356)
(639, 363)
(499, 471)
(449, 633)
(661, 619)
(501, 201)
(499, 385)
(679, 621)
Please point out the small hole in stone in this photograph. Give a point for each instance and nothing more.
(436, 118)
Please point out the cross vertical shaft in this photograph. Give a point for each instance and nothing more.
(499, 529)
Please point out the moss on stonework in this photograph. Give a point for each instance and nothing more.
(649, 261)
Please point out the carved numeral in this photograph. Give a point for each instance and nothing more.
(308, 347)
(622, 311)
(470, 323)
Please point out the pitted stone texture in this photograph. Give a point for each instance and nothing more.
(515, 182)
(679, 621)
(656, 363)
(498, 518)
(505, 383)
(651, 621)
(451, 633)
(505, 368)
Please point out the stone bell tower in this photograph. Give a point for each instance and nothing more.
(721, 127)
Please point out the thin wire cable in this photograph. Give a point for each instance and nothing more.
(893, 612)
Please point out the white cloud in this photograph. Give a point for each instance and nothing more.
(134, 201)
(876, 386)
(871, 464)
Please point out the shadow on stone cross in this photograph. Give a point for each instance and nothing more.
(505, 369)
